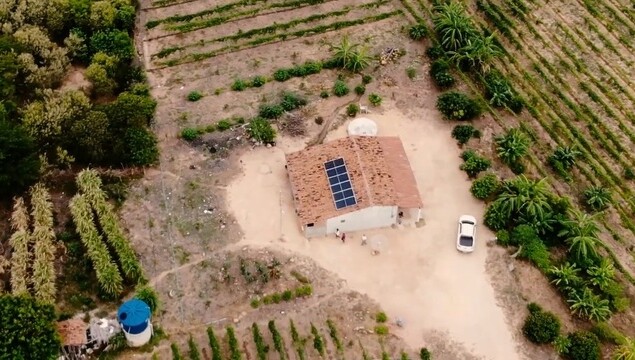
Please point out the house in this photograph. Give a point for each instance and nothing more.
(73, 334)
(352, 184)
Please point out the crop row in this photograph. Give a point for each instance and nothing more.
(270, 39)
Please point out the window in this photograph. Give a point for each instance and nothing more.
(310, 225)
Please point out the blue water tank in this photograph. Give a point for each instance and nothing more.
(134, 316)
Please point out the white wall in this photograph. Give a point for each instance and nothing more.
(317, 230)
(369, 218)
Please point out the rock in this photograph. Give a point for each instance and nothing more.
(511, 267)
(236, 321)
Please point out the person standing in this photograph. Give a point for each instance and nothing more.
(337, 233)
(364, 238)
(343, 238)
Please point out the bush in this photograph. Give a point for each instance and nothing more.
(324, 94)
(270, 111)
(176, 353)
(381, 317)
(583, 345)
(360, 89)
(193, 352)
(411, 72)
(536, 252)
(463, 133)
(498, 90)
(352, 110)
(629, 174)
(418, 32)
(148, 296)
(607, 333)
(435, 53)
(239, 85)
(440, 74)
(496, 217)
(485, 186)
(541, 327)
(502, 237)
(381, 330)
(281, 75)
(366, 79)
(190, 134)
(473, 163)
(340, 88)
(113, 42)
(258, 81)
(304, 291)
(223, 125)
(287, 295)
(425, 354)
(597, 198)
(194, 96)
(374, 99)
(254, 303)
(457, 106)
(291, 101)
(261, 130)
(141, 147)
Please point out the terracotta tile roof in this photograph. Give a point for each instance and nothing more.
(72, 332)
(378, 168)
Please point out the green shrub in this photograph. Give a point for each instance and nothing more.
(276, 298)
(499, 91)
(381, 330)
(352, 110)
(270, 111)
(496, 217)
(340, 88)
(213, 344)
(223, 125)
(435, 52)
(147, 294)
(261, 348)
(441, 75)
(194, 96)
(193, 352)
(311, 67)
(536, 252)
(287, 295)
(374, 99)
(502, 237)
(141, 147)
(629, 174)
(474, 164)
(532, 307)
(381, 317)
(583, 345)
(318, 341)
(324, 94)
(304, 291)
(190, 134)
(597, 198)
(261, 130)
(411, 72)
(563, 159)
(176, 353)
(541, 327)
(404, 356)
(234, 347)
(418, 32)
(366, 79)
(607, 333)
(258, 81)
(334, 335)
(463, 133)
(360, 89)
(281, 75)
(291, 101)
(425, 354)
(254, 303)
(457, 106)
(239, 85)
(485, 186)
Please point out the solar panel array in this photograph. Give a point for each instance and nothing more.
(340, 183)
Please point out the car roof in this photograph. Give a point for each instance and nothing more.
(467, 229)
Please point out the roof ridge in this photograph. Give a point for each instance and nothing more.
(362, 167)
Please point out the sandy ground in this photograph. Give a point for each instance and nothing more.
(419, 276)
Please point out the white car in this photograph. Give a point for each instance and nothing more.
(466, 237)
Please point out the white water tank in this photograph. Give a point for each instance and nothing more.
(134, 317)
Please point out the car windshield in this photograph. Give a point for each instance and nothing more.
(466, 240)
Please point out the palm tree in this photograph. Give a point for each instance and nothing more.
(512, 146)
(542, 221)
(589, 305)
(524, 197)
(418, 32)
(625, 351)
(478, 51)
(597, 197)
(350, 56)
(563, 158)
(453, 25)
(603, 274)
(580, 232)
(565, 276)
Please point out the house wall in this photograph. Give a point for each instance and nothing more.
(317, 230)
(368, 218)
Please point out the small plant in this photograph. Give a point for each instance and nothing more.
(258, 81)
(541, 327)
(239, 85)
(366, 79)
(381, 330)
(473, 163)
(485, 186)
(418, 32)
(563, 159)
(223, 125)
(190, 134)
(324, 94)
(304, 291)
(404, 356)
(463, 133)
(340, 88)
(352, 110)
(213, 344)
(374, 99)
(597, 198)
(425, 354)
(629, 174)
(381, 317)
(261, 130)
(291, 101)
(234, 347)
(281, 75)
(254, 303)
(334, 336)
(360, 89)
(261, 348)
(176, 353)
(441, 75)
(218, 91)
(270, 111)
(435, 52)
(318, 341)
(194, 353)
(301, 278)
(278, 342)
(411, 72)
(287, 295)
(512, 146)
(194, 96)
(457, 106)
(319, 120)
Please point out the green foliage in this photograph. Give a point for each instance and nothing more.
(583, 345)
(381, 317)
(435, 52)
(597, 198)
(278, 342)
(457, 106)
(350, 56)
(281, 75)
(147, 294)
(607, 333)
(366, 79)
(214, 345)
(585, 304)
(270, 111)
(352, 109)
(223, 125)
(536, 252)
(324, 94)
(411, 72)
(561, 344)
(500, 93)
(512, 146)
(381, 330)
(496, 216)
(418, 32)
(28, 329)
(463, 133)
(441, 75)
(629, 174)
(20, 164)
(541, 327)
(304, 291)
(580, 233)
(477, 53)
(374, 99)
(503, 238)
(261, 130)
(473, 163)
(176, 353)
(360, 89)
(190, 134)
(258, 81)
(563, 159)
(334, 336)
(340, 88)
(234, 347)
(194, 96)
(626, 350)
(239, 85)
(404, 356)
(485, 186)
(566, 277)
(141, 147)
(261, 348)
(193, 351)
(291, 101)
(453, 25)
(113, 42)
(318, 341)
(425, 354)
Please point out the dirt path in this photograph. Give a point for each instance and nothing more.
(419, 276)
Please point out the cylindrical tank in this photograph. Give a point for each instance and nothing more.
(134, 318)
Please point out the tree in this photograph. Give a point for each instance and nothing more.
(113, 42)
(140, 146)
(453, 25)
(457, 106)
(88, 137)
(102, 14)
(350, 56)
(102, 83)
(130, 110)
(583, 345)
(580, 232)
(28, 329)
(625, 351)
(587, 305)
(76, 45)
(523, 197)
(44, 62)
(260, 129)
(512, 146)
(20, 242)
(477, 52)
(19, 161)
(597, 197)
(541, 327)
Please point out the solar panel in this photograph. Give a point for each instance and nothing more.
(340, 182)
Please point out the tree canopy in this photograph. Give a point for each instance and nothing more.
(19, 161)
